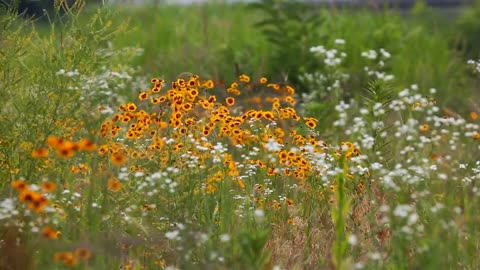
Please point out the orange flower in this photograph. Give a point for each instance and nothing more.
(35, 201)
(114, 185)
(66, 149)
(82, 253)
(54, 141)
(48, 186)
(49, 233)
(66, 258)
(19, 185)
(263, 80)
(86, 145)
(473, 115)
(40, 153)
(290, 90)
(289, 202)
(118, 159)
(39, 204)
(26, 195)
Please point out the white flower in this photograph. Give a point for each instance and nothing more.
(412, 219)
(384, 53)
(358, 265)
(139, 174)
(172, 235)
(60, 72)
(402, 210)
(352, 240)
(375, 256)
(259, 213)
(319, 49)
(272, 145)
(376, 166)
(225, 237)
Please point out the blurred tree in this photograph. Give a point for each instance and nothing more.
(35, 8)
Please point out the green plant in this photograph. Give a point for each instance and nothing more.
(291, 27)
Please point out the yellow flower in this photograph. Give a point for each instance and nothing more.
(310, 122)
(290, 100)
(131, 107)
(208, 84)
(290, 90)
(230, 101)
(143, 95)
(103, 149)
(424, 128)
(240, 183)
(177, 147)
(244, 78)
(275, 86)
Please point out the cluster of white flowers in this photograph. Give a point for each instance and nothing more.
(377, 71)
(331, 57)
(474, 64)
(111, 84)
(329, 78)
(8, 209)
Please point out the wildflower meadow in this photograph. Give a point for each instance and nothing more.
(268, 135)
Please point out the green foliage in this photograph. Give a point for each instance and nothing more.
(31, 62)
(291, 27)
(378, 95)
(469, 31)
(339, 216)
(214, 40)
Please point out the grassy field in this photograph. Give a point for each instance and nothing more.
(239, 137)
